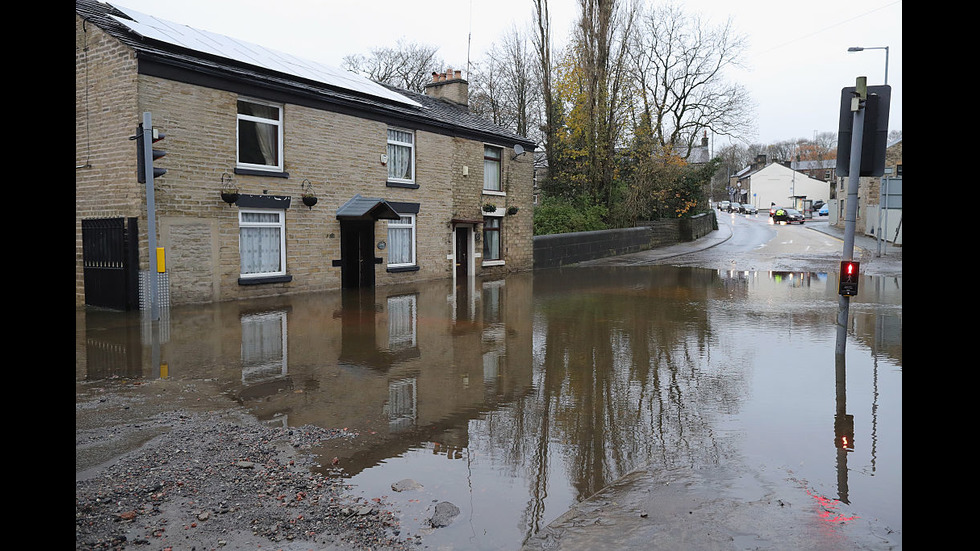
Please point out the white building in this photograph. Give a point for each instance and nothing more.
(779, 184)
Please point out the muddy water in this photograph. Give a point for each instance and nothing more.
(515, 398)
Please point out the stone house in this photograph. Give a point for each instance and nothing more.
(872, 219)
(408, 186)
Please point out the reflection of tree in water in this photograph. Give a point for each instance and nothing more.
(621, 380)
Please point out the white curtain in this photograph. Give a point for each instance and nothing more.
(399, 242)
(260, 247)
(267, 135)
(400, 154)
(491, 239)
(491, 169)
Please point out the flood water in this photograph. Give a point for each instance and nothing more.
(515, 398)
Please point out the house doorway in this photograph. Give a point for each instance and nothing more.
(357, 254)
(357, 217)
(462, 252)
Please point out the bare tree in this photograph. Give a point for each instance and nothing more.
(408, 65)
(504, 86)
(552, 114)
(678, 68)
(602, 41)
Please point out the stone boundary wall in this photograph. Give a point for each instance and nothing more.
(551, 251)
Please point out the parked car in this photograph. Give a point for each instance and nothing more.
(824, 211)
(749, 209)
(787, 216)
(723, 205)
(817, 205)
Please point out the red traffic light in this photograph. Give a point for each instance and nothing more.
(849, 272)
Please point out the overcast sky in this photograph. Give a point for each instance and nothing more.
(796, 65)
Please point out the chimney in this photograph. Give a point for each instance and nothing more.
(449, 86)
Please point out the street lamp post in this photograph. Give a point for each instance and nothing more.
(881, 206)
(861, 49)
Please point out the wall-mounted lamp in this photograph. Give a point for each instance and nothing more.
(229, 192)
(309, 197)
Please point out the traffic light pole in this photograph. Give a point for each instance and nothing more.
(851, 204)
(151, 219)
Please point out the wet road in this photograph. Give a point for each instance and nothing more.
(517, 399)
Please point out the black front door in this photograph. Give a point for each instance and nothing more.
(357, 254)
(462, 252)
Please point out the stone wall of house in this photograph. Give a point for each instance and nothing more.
(106, 115)
(469, 198)
(340, 155)
(869, 195)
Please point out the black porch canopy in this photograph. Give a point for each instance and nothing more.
(366, 208)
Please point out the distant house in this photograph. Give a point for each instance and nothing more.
(875, 216)
(700, 153)
(825, 170)
(764, 183)
(408, 186)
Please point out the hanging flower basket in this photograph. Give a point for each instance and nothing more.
(512, 210)
(229, 191)
(309, 197)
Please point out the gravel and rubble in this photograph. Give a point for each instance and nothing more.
(216, 479)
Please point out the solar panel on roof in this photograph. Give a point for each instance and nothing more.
(155, 28)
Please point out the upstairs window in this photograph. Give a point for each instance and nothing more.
(491, 168)
(401, 156)
(259, 135)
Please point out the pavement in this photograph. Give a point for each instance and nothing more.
(725, 508)
(876, 259)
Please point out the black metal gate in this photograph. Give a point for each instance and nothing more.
(110, 259)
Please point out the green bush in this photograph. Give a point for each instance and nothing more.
(562, 216)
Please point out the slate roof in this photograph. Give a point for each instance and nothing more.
(430, 113)
(814, 165)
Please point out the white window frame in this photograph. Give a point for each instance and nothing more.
(493, 162)
(499, 230)
(277, 123)
(394, 142)
(406, 222)
(279, 224)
